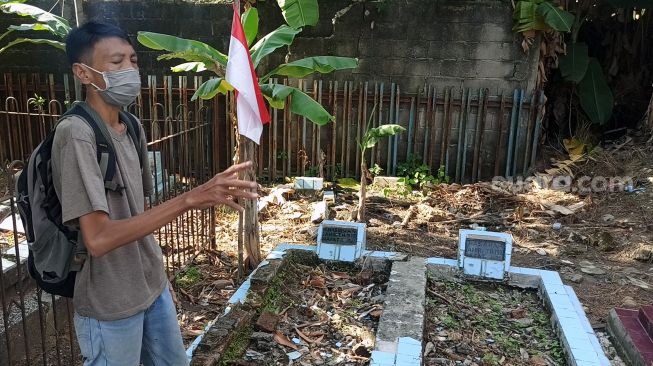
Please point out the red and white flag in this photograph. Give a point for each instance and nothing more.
(251, 110)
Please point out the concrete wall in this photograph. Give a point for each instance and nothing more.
(411, 42)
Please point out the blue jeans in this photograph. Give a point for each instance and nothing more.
(151, 337)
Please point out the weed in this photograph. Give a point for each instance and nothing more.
(490, 359)
(449, 322)
(376, 170)
(274, 299)
(38, 102)
(237, 346)
(189, 277)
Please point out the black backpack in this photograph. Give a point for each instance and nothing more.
(56, 251)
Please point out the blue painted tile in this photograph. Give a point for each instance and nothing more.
(559, 301)
(584, 355)
(409, 348)
(379, 254)
(552, 289)
(526, 271)
(383, 358)
(588, 363)
(241, 293)
(409, 340)
(581, 344)
(451, 262)
(406, 360)
(551, 277)
(563, 313)
(435, 261)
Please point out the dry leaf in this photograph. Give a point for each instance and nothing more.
(340, 275)
(538, 361)
(317, 283)
(284, 341)
(306, 338)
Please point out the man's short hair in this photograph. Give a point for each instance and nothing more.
(80, 41)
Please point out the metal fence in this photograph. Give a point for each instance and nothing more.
(470, 133)
(36, 327)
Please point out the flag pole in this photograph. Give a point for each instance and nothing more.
(251, 114)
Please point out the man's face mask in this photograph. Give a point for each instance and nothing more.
(122, 87)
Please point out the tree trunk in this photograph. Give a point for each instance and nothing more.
(251, 238)
(363, 192)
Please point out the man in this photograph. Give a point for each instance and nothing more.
(124, 311)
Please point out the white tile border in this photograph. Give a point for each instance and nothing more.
(575, 331)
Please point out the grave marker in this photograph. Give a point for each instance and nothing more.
(341, 240)
(484, 253)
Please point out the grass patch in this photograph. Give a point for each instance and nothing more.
(191, 276)
(492, 320)
(237, 346)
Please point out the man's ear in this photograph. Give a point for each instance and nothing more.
(82, 73)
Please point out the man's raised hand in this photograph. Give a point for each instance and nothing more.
(223, 189)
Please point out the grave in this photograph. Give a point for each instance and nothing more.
(309, 183)
(484, 258)
(340, 240)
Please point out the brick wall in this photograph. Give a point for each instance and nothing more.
(411, 42)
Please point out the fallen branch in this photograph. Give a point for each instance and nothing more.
(439, 296)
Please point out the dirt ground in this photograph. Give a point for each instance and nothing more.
(599, 242)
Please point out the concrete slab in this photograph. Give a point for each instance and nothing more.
(401, 326)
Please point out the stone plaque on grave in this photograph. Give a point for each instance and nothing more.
(493, 250)
(340, 240)
(484, 253)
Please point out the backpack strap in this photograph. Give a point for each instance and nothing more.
(134, 131)
(106, 155)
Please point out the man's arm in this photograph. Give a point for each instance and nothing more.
(102, 235)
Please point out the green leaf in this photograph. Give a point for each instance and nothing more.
(527, 18)
(35, 27)
(573, 65)
(300, 13)
(250, 24)
(595, 94)
(307, 66)
(556, 18)
(185, 49)
(282, 36)
(56, 44)
(300, 103)
(12, 1)
(211, 88)
(189, 66)
(373, 135)
(57, 25)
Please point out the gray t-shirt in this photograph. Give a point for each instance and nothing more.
(128, 279)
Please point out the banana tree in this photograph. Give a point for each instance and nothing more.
(200, 57)
(43, 22)
(576, 66)
(371, 137)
